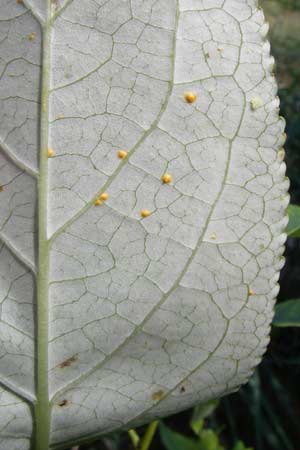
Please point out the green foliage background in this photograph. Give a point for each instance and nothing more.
(265, 414)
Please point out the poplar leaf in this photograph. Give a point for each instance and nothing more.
(142, 211)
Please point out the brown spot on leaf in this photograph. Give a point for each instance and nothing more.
(68, 362)
(158, 395)
(32, 36)
(182, 389)
(63, 403)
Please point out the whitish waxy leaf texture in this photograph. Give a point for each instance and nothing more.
(157, 295)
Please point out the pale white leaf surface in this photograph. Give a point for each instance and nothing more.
(108, 319)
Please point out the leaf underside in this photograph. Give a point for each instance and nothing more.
(108, 318)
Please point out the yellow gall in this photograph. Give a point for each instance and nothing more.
(251, 292)
(256, 103)
(281, 154)
(50, 153)
(213, 236)
(98, 202)
(32, 36)
(104, 196)
(156, 396)
(166, 178)
(145, 213)
(284, 138)
(122, 154)
(190, 97)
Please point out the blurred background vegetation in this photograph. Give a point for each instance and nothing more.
(264, 414)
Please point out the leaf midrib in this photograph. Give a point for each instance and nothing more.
(42, 405)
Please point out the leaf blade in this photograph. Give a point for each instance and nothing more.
(293, 228)
(170, 286)
(176, 441)
(287, 314)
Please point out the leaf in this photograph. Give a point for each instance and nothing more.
(287, 314)
(293, 228)
(142, 208)
(176, 441)
(200, 413)
(209, 441)
(240, 446)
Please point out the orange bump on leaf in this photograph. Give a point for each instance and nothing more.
(145, 213)
(166, 178)
(104, 196)
(50, 153)
(122, 154)
(190, 97)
